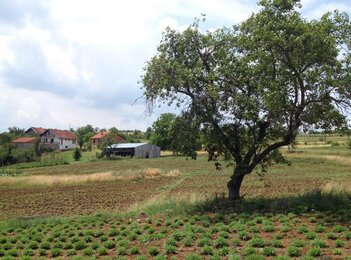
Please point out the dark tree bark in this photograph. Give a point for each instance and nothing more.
(234, 185)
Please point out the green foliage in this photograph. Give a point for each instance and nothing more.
(251, 88)
(293, 251)
(77, 154)
(163, 131)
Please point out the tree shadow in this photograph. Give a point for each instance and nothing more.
(313, 201)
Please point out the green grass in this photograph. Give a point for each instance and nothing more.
(287, 212)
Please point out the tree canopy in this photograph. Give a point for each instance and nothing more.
(250, 88)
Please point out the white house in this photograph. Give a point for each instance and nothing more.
(60, 139)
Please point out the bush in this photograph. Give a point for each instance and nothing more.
(77, 154)
(293, 251)
(315, 251)
(103, 251)
(56, 252)
(153, 251)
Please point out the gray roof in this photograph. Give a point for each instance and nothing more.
(127, 145)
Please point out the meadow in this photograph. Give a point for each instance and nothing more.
(175, 208)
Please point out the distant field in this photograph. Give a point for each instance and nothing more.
(169, 189)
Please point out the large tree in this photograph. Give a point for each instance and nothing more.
(251, 88)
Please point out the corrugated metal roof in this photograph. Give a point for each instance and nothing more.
(127, 145)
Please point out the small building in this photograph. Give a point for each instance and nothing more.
(35, 131)
(141, 150)
(58, 139)
(99, 138)
(25, 142)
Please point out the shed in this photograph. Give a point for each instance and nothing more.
(25, 142)
(142, 150)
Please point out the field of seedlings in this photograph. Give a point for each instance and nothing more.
(174, 208)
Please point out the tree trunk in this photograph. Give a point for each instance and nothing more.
(234, 185)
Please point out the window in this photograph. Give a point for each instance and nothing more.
(73, 141)
(52, 140)
(61, 141)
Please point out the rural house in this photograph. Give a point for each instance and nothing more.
(25, 142)
(59, 139)
(35, 131)
(98, 139)
(141, 150)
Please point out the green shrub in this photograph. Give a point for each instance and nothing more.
(77, 154)
(55, 252)
(220, 242)
(331, 235)
(339, 243)
(249, 251)
(134, 250)
(315, 251)
(339, 229)
(223, 251)
(170, 249)
(28, 252)
(337, 251)
(243, 235)
(153, 251)
(188, 241)
(94, 245)
(269, 251)
(319, 229)
(207, 250)
(80, 245)
(285, 229)
(12, 252)
(121, 250)
(109, 244)
(293, 251)
(193, 256)
(311, 235)
(88, 251)
(257, 242)
(268, 228)
(103, 251)
(298, 243)
(319, 243)
(276, 243)
(71, 252)
(203, 242)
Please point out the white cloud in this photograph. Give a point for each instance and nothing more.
(78, 62)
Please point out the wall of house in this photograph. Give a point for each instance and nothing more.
(62, 144)
(66, 144)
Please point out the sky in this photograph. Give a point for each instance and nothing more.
(69, 63)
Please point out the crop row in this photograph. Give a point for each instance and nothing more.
(196, 237)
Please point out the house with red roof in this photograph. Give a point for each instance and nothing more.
(98, 139)
(25, 142)
(35, 131)
(59, 139)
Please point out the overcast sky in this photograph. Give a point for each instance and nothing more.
(76, 62)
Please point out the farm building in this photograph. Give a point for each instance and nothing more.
(142, 150)
(25, 142)
(99, 138)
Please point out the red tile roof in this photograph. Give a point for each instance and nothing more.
(62, 134)
(102, 134)
(24, 140)
(39, 130)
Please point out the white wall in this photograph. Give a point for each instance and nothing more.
(63, 144)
